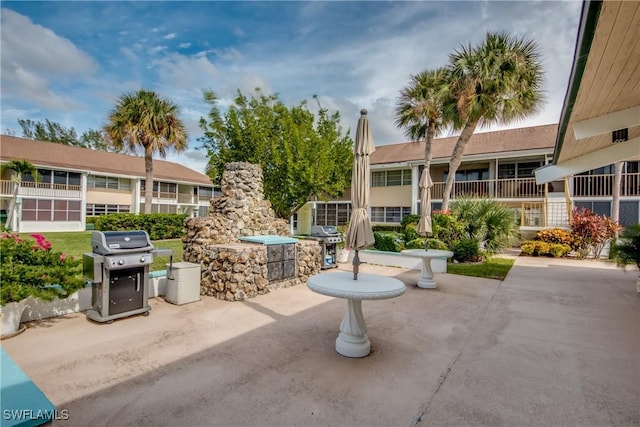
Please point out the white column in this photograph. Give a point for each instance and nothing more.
(415, 180)
(83, 201)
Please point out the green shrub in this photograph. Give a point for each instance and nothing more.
(387, 228)
(466, 250)
(29, 267)
(158, 226)
(411, 232)
(415, 243)
(437, 244)
(409, 219)
(558, 250)
(540, 248)
(627, 249)
(447, 228)
(388, 241)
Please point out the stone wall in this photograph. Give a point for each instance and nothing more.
(232, 270)
(237, 271)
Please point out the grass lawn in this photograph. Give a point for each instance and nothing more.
(492, 268)
(75, 243)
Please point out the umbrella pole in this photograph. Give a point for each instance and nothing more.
(356, 265)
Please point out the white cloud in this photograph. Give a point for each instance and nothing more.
(170, 36)
(184, 45)
(32, 56)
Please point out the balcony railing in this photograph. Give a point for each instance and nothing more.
(602, 185)
(41, 189)
(516, 188)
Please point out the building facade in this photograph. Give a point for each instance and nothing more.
(498, 165)
(76, 183)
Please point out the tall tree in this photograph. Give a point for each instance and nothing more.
(143, 120)
(420, 109)
(49, 131)
(301, 156)
(497, 82)
(54, 132)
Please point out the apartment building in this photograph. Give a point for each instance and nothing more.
(499, 165)
(76, 183)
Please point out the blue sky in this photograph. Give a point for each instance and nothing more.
(70, 61)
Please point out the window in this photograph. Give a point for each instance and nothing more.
(165, 190)
(335, 214)
(517, 170)
(470, 175)
(391, 178)
(156, 208)
(50, 210)
(94, 209)
(389, 214)
(112, 183)
(59, 178)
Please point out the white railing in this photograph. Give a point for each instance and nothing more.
(602, 185)
(515, 188)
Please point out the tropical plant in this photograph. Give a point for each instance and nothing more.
(143, 120)
(487, 221)
(29, 267)
(302, 155)
(420, 109)
(498, 81)
(592, 231)
(22, 168)
(626, 250)
(447, 227)
(556, 235)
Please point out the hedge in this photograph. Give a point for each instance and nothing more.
(159, 226)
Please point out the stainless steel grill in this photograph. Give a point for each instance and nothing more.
(118, 269)
(328, 237)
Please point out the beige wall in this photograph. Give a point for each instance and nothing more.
(305, 219)
(397, 195)
(109, 197)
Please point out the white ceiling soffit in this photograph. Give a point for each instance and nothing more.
(627, 150)
(607, 123)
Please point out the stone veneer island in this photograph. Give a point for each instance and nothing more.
(233, 270)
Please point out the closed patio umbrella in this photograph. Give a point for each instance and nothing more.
(424, 225)
(360, 235)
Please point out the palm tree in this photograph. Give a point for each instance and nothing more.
(420, 109)
(144, 120)
(498, 82)
(22, 168)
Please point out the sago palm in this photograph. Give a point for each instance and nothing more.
(497, 82)
(144, 120)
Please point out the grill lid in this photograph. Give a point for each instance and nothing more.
(115, 242)
(324, 230)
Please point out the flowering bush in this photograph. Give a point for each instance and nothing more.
(29, 267)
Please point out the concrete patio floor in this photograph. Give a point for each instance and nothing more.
(556, 343)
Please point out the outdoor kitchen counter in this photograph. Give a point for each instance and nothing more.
(353, 340)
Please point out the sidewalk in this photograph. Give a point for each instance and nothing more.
(558, 342)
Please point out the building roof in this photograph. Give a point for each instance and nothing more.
(603, 95)
(53, 155)
(512, 140)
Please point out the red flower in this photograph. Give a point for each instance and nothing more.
(63, 256)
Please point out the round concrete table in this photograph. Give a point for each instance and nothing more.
(353, 340)
(426, 275)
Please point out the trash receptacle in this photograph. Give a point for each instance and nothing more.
(185, 286)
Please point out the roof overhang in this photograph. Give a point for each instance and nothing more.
(603, 94)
